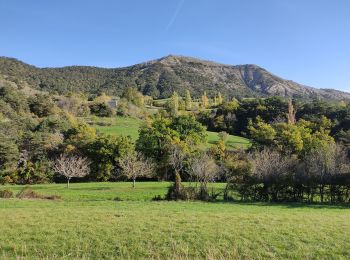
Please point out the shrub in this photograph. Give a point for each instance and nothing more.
(6, 194)
(118, 199)
(184, 193)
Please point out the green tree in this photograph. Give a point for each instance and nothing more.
(155, 135)
(104, 153)
(101, 109)
(160, 134)
(263, 134)
(42, 105)
(15, 99)
(133, 96)
(189, 129)
(9, 156)
(8, 151)
(173, 104)
(292, 137)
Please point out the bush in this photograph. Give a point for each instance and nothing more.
(101, 109)
(5, 194)
(6, 179)
(184, 193)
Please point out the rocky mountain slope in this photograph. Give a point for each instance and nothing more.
(159, 78)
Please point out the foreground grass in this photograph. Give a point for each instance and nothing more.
(130, 126)
(87, 223)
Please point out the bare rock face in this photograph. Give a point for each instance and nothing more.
(159, 78)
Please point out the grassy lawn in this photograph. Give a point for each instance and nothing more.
(232, 142)
(88, 223)
(130, 126)
(122, 126)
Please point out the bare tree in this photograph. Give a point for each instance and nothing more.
(204, 169)
(72, 166)
(324, 164)
(176, 159)
(271, 168)
(135, 165)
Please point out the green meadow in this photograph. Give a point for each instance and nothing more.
(130, 126)
(89, 222)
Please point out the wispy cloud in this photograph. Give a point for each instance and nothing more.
(176, 13)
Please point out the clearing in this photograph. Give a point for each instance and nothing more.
(130, 126)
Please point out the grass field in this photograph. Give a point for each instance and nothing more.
(122, 126)
(88, 223)
(130, 126)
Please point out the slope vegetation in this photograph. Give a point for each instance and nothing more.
(159, 78)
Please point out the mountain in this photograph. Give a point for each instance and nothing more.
(159, 78)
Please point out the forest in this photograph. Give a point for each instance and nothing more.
(299, 149)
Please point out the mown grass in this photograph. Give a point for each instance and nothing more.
(128, 126)
(87, 223)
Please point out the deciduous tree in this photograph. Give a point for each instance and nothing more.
(135, 165)
(72, 166)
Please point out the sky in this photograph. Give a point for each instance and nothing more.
(307, 41)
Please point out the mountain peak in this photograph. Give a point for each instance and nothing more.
(159, 78)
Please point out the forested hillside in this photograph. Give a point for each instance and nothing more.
(159, 78)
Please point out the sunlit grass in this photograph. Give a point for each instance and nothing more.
(128, 126)
(88, 223)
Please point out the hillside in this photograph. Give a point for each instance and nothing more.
(159, 78)
(128, 126)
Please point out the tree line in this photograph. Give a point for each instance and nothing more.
(299, 150)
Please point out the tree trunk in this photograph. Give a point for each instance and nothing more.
(68, 179)
(133, 183)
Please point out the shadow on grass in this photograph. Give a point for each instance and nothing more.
(315, 205)
(88, 188)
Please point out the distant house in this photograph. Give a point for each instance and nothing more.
(113, 102)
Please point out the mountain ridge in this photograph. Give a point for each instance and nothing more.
(160, 77)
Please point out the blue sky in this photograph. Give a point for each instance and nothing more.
(307, 41)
